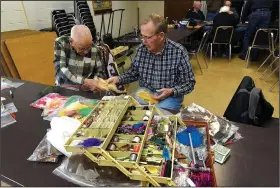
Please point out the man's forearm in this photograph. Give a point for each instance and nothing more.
(65, 72)
(127, 78)
(183, 89)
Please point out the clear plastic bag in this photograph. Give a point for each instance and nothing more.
(53, 104)
(180, 176)
(11, 108)
(220, 129)
(45, 152)
(41, 103)
(5, 83)
(76, 107)
(81, 171)
(7, 119)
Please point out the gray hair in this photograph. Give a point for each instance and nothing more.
(225, 9)
(158, 20)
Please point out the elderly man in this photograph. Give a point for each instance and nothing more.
(224, 18)
(76, 60)
(232, 10)
(162, 66)
(196, 12)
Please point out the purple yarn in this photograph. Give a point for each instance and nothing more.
(132, 129)
(90, 142)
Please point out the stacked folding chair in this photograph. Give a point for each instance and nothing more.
(84, 16)
(71, 19)
(60, 23)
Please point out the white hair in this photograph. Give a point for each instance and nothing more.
(225, 9)
(196, 2)
(80, 31)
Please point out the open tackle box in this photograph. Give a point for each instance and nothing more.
(125, 130)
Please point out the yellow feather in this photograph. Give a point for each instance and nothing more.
(112, 87)
(146, 96)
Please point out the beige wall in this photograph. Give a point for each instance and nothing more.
(36, 15)
(129, 17)
(12, 16)
(147, 7)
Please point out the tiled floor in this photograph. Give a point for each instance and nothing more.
(215, 88)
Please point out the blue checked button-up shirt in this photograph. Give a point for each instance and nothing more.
(169, 69)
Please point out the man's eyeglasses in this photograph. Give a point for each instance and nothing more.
(147, 37)
(83, 49)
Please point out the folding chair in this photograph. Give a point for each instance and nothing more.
(270, 89)
(223, 35)
(273, 39)
(199, 49)
(262, 41)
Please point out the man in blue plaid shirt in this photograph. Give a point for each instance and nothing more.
(162, 66)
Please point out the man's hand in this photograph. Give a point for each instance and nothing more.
(113, 80)
(230, 12)
(92, 84)
(165, 92)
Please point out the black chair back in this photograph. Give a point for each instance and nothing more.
(223, 35)
(60, 22)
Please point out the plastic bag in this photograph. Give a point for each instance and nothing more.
(146, 96)
(41, 103)
(45, 152)
(180, 176)
(5, 83)
(220, 129)
(76, 107)
(81, 171)
(6, 118)
(53, 105)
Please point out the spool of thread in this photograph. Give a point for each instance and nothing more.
(136, 139)
(131, 108)
(166, 127)
(115, 138)
(112, 147)
(136, 148)
(80, 133)
(145, 118)
(148, 113)
(133, 157)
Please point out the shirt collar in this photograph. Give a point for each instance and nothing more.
(164, 47)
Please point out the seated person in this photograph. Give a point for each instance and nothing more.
(232, 9)
(224, 18)
(77, 60)
(162, 66)
(239, 31)
(196, 12)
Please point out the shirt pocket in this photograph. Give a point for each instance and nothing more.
(170, 75)
(76, 66)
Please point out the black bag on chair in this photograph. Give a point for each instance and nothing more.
(248, 105)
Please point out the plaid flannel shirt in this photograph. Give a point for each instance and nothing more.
(71, 68)
(169, 69)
